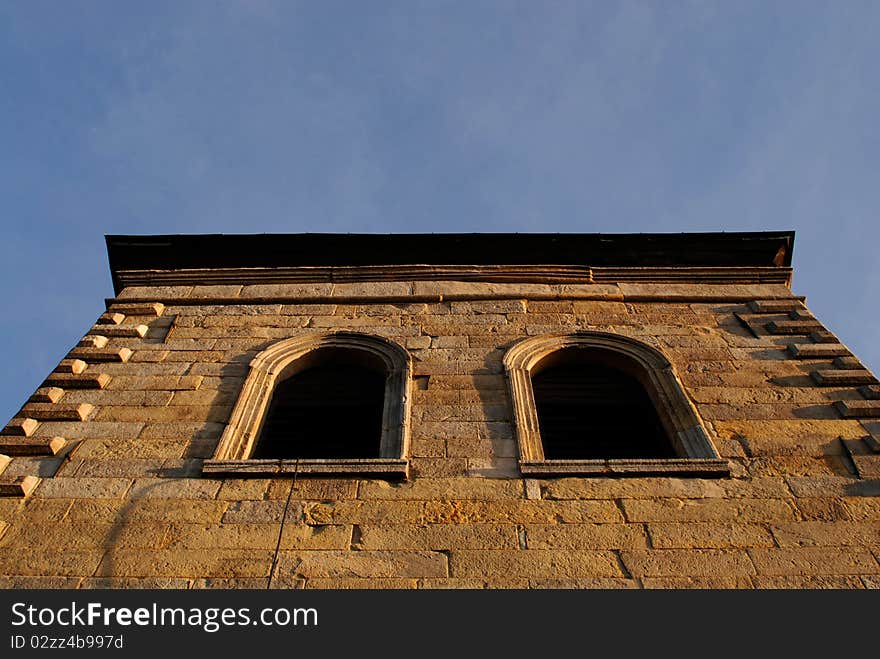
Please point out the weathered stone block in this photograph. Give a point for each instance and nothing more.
(493, 467)
(783, 430)
(446, 342)
(154, 292)
(831, 486)
(437, 467)
(250, 583)
(584, 536)
(313, 488)
(156, 383)
(181, 430)
(442, 489)
(601, 583)
(17, 486)
(260, 512)
(671, 292)
(215, 291)
(286, 291)
(174, 488)
(117, 331)
(83, 488)
(110, 318)
(827, 534)
(437, 537)
(193, 563)
(836, 378)
(141, 510)
(82, 534)
(126, 583)
(708, 510)
(793, 326)
(830, 465)
(418, 342)
(468, 448)
(57, 411)
(372, 289)
(73, 381)
(558, 564)
(860, 509)
(803, 583)
(298, 536)
(428, 448)
(71, 366)
(521, 512)
(171, 413)
(708, 535)
(147, 368)
(814, 561)
(848, 362)
(544, 306)
(48, 561)
(452, 413)
(858, 409)
(693, 562)
(95, 340)
(361, 564)
(595, 291)
(488, 307)
(871, 391)
(46, 395)
(223, 536)
(78, 430)
(139, 309)
(20, 427)
(702, 583)
(113, 449)
(352, 583)
(149, 356)
(113, 468)
(775, 306)
(654, 488)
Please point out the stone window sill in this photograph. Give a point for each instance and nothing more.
(704, 467)
(391, 468)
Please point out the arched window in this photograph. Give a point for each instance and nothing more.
(321, 404)
(332, 409)
(599, 403)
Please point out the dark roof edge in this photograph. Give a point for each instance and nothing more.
(190, 251)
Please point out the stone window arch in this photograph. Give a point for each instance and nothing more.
(681, 445)
(299, 365)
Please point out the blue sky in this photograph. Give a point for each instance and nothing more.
(263, 116)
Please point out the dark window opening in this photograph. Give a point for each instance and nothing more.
(588, 410)
(331, 410)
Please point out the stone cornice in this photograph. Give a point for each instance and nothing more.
(533, 274)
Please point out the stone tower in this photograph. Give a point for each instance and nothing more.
(436, 411)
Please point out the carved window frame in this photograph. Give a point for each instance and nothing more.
(284, 359)
(696, 454)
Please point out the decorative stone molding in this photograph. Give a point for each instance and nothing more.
(696, 454)
(31, 446)
(75, 381)
(842, 378)
(18, 486)
(285, 358)
(95, 355)
(144, 309)
(534, 274)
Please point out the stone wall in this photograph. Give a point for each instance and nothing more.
(105, 487)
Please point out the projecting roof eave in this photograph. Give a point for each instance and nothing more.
(187, 252)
